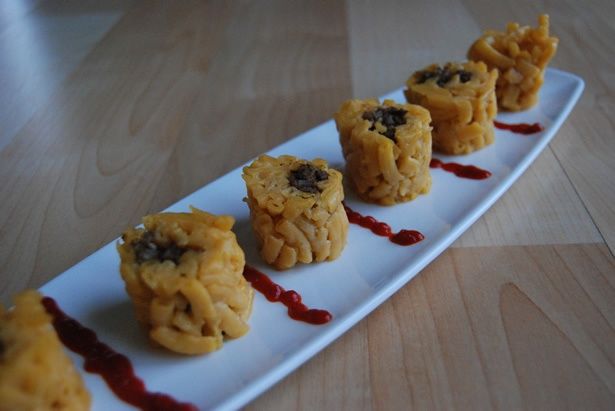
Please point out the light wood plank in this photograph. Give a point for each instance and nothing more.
(40, 48)
(492, 327)
(390, 40)
(542, 207)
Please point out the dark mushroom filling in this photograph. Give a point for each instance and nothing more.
(389, 117)
(443, 75)
(147, 249)
(306, 178)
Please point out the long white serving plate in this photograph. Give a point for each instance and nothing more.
(369, 270)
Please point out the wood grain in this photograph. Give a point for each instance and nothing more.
(41, 46)
(534, 211)
(110, 110)
(513, 327)
(584, 146)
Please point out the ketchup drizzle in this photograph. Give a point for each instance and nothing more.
(291, 299)
(403, 237)
(520, 128)
(461, 170)
(114, 367)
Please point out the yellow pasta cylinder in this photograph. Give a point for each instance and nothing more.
(521, 55)
(462, 103)
(387, 148)
(296, 210)
(35, 372)
(184, 274)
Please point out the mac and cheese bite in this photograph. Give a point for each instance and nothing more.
(462, 103)
(35, 372)
(296, 210)
(520, 54)
(184, 274)
(387, 148)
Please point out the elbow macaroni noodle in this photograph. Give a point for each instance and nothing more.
(293, 226)
(190, 304)
(462, 112)
(521, 55)
(35, 372)
(385, 170)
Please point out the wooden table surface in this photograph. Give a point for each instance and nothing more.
(110, 110)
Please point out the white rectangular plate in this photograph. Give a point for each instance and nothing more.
(349, 287)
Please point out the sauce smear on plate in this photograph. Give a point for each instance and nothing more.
(291, 299)
(403, 237)
(520, 128)
(461, 170)
(115, 368)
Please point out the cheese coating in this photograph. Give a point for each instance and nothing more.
(520, 54)
(35, 372)
(184, 274)
(387, 148)
(296, 210)
(461, 100)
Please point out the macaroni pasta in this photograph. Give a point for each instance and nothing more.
(462, 103)
(521, 55)
(184, 274)
(35, 372)
(296, 210)
(387, 148)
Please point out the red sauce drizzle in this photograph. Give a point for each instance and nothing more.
(404, 237)
(520, 128)
(291, 299)
(461, 170)
(114, 367)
